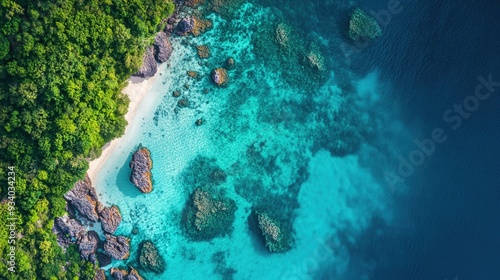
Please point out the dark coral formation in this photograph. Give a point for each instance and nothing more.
(203, 172)
(162, 47)
(117, 247)
(208, 215)
(230, 63)
(201, 26)
(276, 239)
(150, 259)
(220, 77)
(203, 51)
(149, 65)
(84, 199)
(363, 26)
(141, 166)
(110, 219)
(221, 267)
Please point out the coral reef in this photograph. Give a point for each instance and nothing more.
(230, 63)
(276, 239)
(208, 215)
(150, 259)
(203, 51)
(201, 26)
(363, 26)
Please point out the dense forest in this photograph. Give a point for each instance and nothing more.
(63, 64)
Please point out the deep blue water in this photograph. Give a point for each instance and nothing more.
(449, 218)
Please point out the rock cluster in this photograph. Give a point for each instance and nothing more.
(150, 259)
(141, 165)
(149, 65)
(121, 274)
(110, 219)
(185, 26)
(276, 240)
(99, 275)
(84, 199)
(87, 245)
(117, 247)
(208, 216)
(363, 26)
(220, 77)
(162, 47)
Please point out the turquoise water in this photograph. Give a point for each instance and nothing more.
(309, 150)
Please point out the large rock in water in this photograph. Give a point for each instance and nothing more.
(208, 215)
(118, 274)
(117, 247)
(363, 26)
(110, 219)
(84, 199)
(185, 26)
(141, 165)
(220, 77)
(134, 275)
(162, 47)
(87, 245)
(150, 258)
(149, 66)
(276, 240)
(99, 275)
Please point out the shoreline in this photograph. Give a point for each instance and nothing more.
(136, 90)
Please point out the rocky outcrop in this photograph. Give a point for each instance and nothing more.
(275, 238)
(363, 27)
(87, 245)
(84, 199)
(117, 247)
(185, 26)
(162, 47)
(208, 215)
(149, 66)
(201, 26)
(150, 259)
(64, 226)
(118, 274)
(134, 275)
(99, 275)
(220, 77)
(110, 218)
(141, 165)
(103, 259)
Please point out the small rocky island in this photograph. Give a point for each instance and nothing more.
(141, 165)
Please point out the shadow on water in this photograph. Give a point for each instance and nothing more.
(123, 180)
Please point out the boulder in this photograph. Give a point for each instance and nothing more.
(133, 275)
(220, 77)
(363, 27)
(99, 275)
(150, 259)
(84, 199)
(141, 165)
(87, 245)
(162, 47)
(185, 26)
(66, 226)
(149, 65)
(275, 238)
(117, 247)
(118, 274)
(110, 219)
(230, 64)
(103, 259)
(208, 215)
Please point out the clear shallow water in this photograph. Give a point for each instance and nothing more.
(271, 136)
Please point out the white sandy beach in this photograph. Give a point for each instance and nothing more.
(136, 90)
